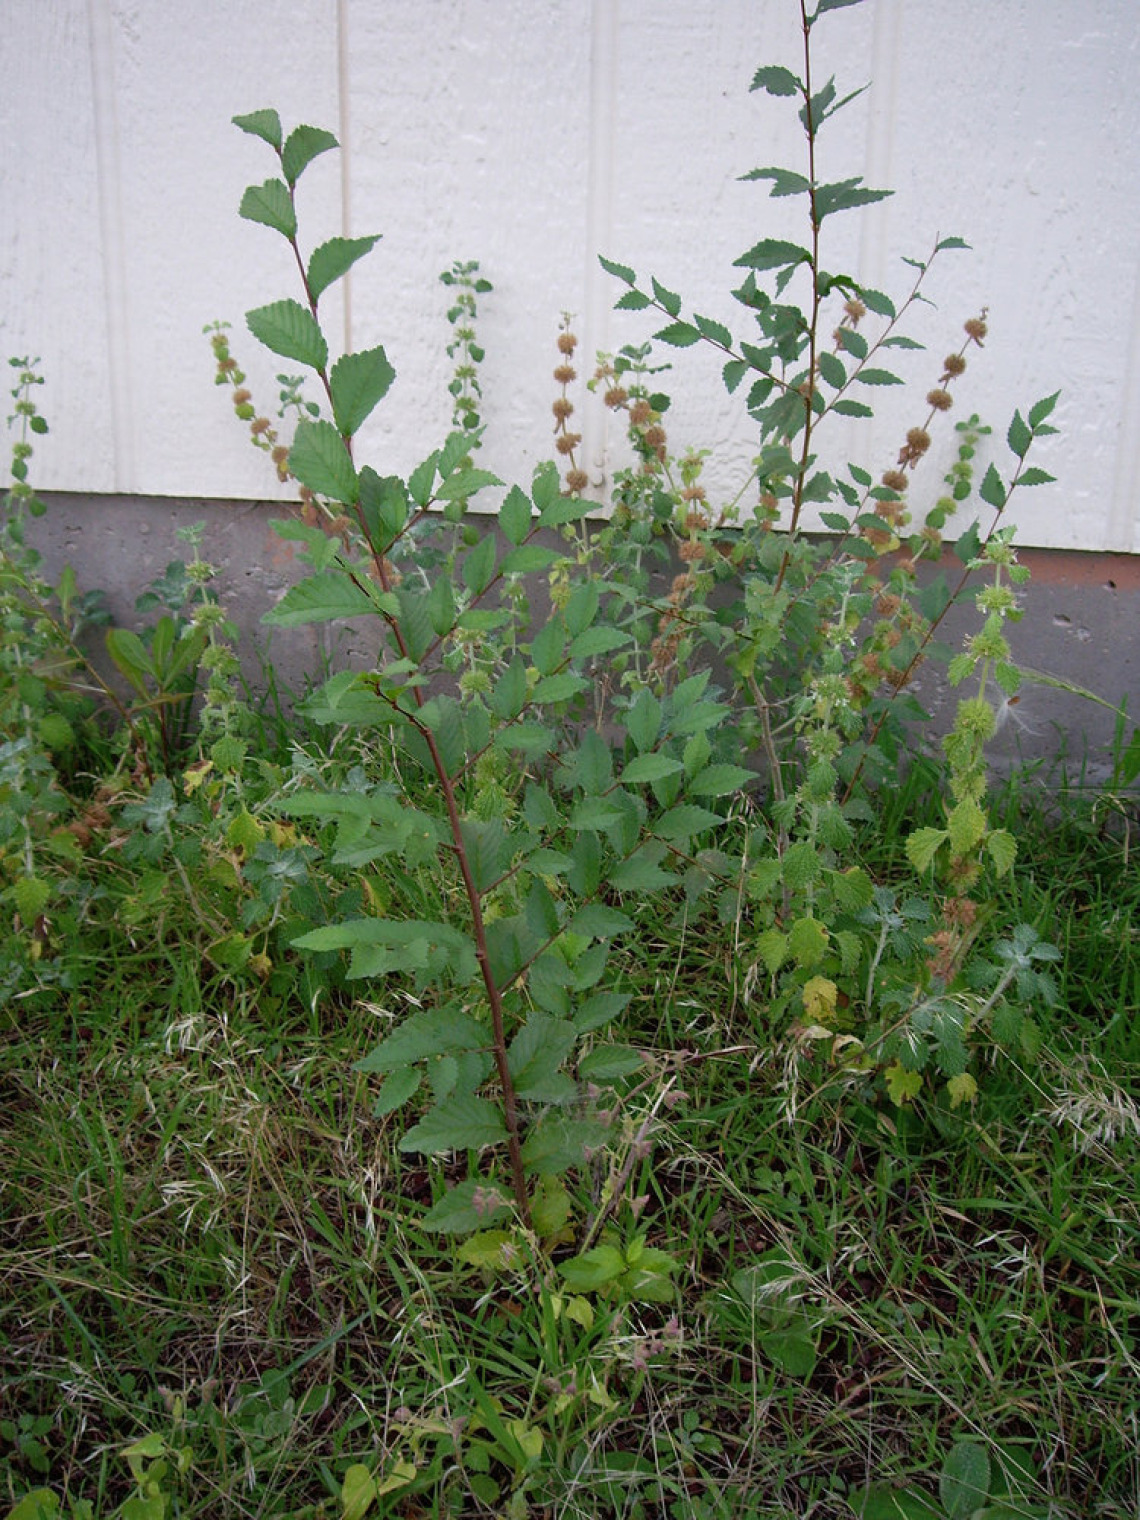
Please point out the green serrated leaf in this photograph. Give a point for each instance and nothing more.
(720, 780)
(461, 1122)
(784, 182)
(466, 483)
(775, 80)
(358, 382)
(685, 820)
(773, 253)
(303, 145)
(465, 1208)
(877, 377)
(1042, 409)
(620, 271)
(515, 515)
(1035, 477)
(1002, 847)
(832, 371)
(291, 331)
(271, 205)
(966, 826)
(650, 767)
(715, 332)
(845, 195)
(923, 845)
(772, 946)
(478, 568)
(325, 598)
(991, 490)
(264, 124)
(678, 335)
(334, 258)
(1019, 435)
(320, 461)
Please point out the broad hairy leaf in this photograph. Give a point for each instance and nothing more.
(320, 461)
(271, 205)
(303, 145)
(334, 258)
(358, 382)
(428, 1032)
(465, 483)
(263, 124)
(291, 331)
(720, 780)
(466, 1208)
(323, 598)
(461, 1122)
(964, 1482)
(515, 515)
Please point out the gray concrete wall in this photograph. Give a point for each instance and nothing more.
(1081, 625)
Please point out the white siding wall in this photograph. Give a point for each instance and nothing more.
(533, 134)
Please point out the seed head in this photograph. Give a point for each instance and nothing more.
(855, 310)
(567, 342)
(562, 408)
(616, 396)
(576, 480)
(894, 480)
(565, 373)
(566, 443)
(941, 400)
(953, 364)
(976, 328)
(640, 412)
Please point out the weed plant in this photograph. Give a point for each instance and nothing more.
(570, 1069)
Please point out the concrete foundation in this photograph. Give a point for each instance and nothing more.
(1080, 633)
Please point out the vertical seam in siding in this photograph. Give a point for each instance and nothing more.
(599, 219)
(874, 240)
(1123, 529)
(108, 164)
(344, 129)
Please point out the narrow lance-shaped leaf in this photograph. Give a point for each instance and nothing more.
(358, 382)
(272, 205)
(334, 258)
(291, 331)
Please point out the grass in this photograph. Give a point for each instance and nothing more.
(207, 1239)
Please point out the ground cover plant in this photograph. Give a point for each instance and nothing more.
(571, 1067)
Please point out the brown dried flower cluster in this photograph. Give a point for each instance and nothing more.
(565, 439)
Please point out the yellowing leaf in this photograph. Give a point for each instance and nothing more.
(820, 995)
(902, 1085)
(962, 1089)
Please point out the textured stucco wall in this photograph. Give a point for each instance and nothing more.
(534, 137)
